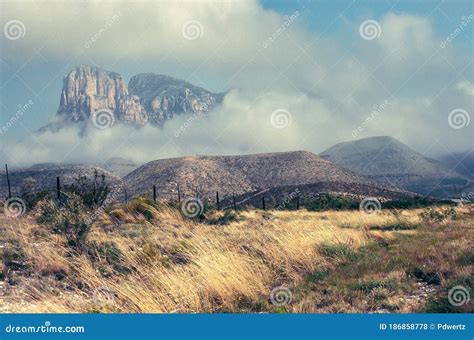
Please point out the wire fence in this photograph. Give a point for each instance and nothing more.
(118, 192)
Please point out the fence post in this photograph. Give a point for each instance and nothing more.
(154, 193)
(179, 193)
(94, 193)
(298, 202)
(58, 188)
(263, 202)
(233, 200)
(8, 182)
(217, 201)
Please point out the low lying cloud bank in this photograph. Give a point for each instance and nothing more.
(244, 123)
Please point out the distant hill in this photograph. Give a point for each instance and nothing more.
(461, 162)
(237, 175)
(42, 177)
(119, 166)
(386, 160)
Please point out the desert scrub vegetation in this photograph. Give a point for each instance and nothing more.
(67, 217)
(340, 202)
(147, 257)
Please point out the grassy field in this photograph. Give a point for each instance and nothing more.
(145, 257)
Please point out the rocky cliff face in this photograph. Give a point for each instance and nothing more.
(164, 96)
(152, 97)
(87, 89)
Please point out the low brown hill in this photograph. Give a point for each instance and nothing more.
(236, 175)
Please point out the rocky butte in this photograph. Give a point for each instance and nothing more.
(149, 98)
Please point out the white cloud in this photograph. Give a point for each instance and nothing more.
(466, 87)
(409, 34)
(241, 125)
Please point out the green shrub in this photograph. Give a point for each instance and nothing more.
(408, 203)
(31, 199)
(467, 258)
(318, 275)
(441, 303)
(223, 219)
(93, 192)
(424, 275)
(369, 286)
(13, 257)
(68, 218)
(342, 252)
(395, 226)
(331, 202)
(108, 252)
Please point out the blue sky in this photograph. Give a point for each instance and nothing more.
(320, 16)
(229, 55)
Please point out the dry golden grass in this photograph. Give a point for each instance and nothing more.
(167, 263)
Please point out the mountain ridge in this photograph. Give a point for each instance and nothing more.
(391, 162)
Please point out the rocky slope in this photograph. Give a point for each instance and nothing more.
(148, 97)
(386, 160)
(237, 175)
(163, 96)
